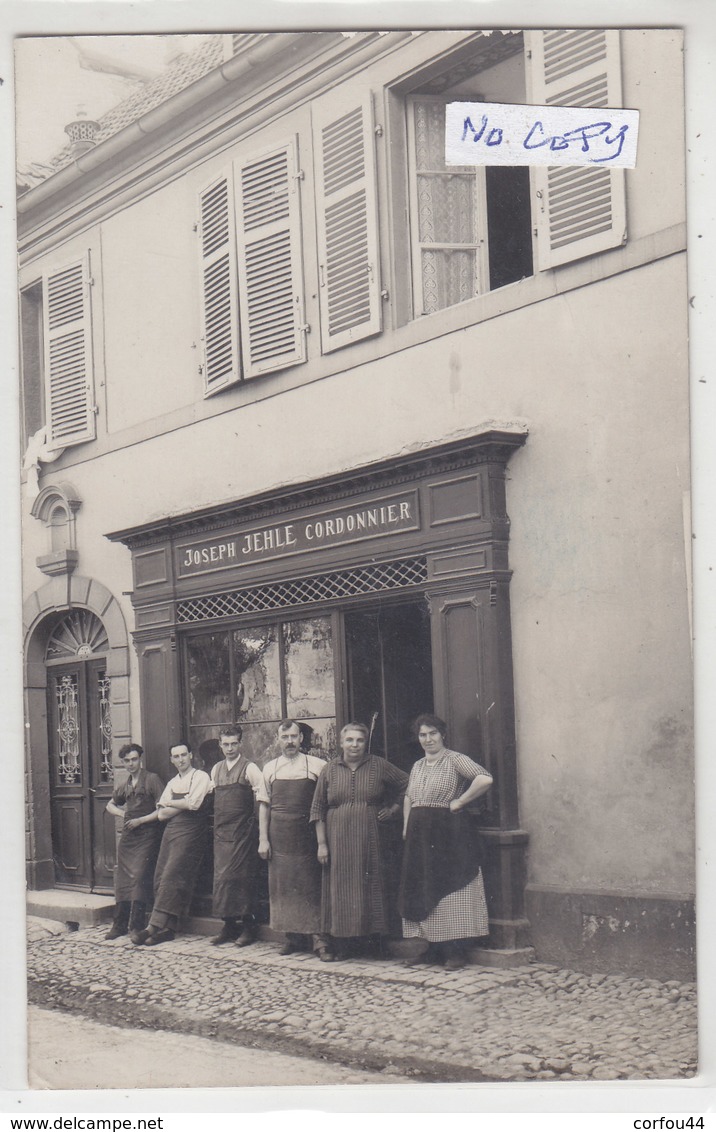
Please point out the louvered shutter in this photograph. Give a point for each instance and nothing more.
(580, 210)
(347, 221)
(270, 262)
(68, 355)
(219, 299)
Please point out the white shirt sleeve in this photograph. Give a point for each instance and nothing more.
(201, 785)
(165, 798)
(256, 778)
(264, 793)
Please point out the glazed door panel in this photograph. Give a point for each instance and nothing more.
(69, 775)
(83, 837)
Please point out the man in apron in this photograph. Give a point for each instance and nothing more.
(236, 785)
(288, 841)
(135, 801)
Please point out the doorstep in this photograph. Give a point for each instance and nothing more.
(69, 907)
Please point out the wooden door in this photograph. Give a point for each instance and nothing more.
(80, 774)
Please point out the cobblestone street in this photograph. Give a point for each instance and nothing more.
(535, 1023)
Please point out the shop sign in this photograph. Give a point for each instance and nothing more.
(314, 532)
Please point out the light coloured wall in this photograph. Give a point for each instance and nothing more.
(600, 625)
(150, 281)
(653, 83)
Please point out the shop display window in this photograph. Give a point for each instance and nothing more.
(257, 675)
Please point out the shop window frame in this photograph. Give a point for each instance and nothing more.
(228, 626)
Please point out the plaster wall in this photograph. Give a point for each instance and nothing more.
(596, 497)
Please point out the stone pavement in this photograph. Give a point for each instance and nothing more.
(538, 1022)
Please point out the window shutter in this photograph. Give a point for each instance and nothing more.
(347, 219)
(219, 301)
(270, 262)
(581, 210)
(68, 355)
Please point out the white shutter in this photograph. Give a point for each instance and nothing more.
(68, 355)
(580, 210)
(347, 220)
(270, 262)
(219, 301)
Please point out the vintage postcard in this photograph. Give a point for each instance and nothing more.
(356, 524)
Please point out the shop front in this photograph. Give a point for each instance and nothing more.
(372, 596)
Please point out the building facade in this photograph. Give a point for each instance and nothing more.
(317, 425)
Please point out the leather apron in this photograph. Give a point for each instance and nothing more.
(138, 848)
(294, 871)
(235, 847)
(184, 843)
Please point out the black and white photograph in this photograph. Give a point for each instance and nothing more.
(356, 529)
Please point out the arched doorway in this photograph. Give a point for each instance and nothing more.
(80, 751)
(77, 717)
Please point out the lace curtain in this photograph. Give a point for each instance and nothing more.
(447, 214)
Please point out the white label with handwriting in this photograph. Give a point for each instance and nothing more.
(491, 133)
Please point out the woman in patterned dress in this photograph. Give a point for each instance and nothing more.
(355, 794)
(442, 896)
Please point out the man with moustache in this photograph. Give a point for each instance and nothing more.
(287, 841)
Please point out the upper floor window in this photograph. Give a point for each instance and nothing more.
(476, 228)
(471, 228)
(32, 362)
(252, 253)
(252, 269)
(57, 366)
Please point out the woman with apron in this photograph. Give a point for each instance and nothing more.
(442, 894)
(236, 784)
(288, 841)
(184, 806)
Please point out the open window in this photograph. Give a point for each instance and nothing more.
(473, 229)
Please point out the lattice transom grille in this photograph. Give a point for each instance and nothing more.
(280, 595)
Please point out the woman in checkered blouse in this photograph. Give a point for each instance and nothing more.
(442, 896)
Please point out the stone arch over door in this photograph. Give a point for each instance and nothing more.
(40, 616)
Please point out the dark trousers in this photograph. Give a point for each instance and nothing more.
(130, 915)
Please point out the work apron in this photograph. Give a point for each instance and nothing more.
(442, 854)
(184, 843)
(138, 849)
(294, 871)
(235, 850)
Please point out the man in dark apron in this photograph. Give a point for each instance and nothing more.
(288, 841)
(236, 785)
(135, 801)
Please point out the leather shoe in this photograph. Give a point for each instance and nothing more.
(115, 932)
(325, 955)
(138, 938)
(418, 960)
(455, 962)
(247, 936)
(163, 936)
(227, 934)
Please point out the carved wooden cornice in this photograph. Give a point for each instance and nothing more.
(494, 446)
